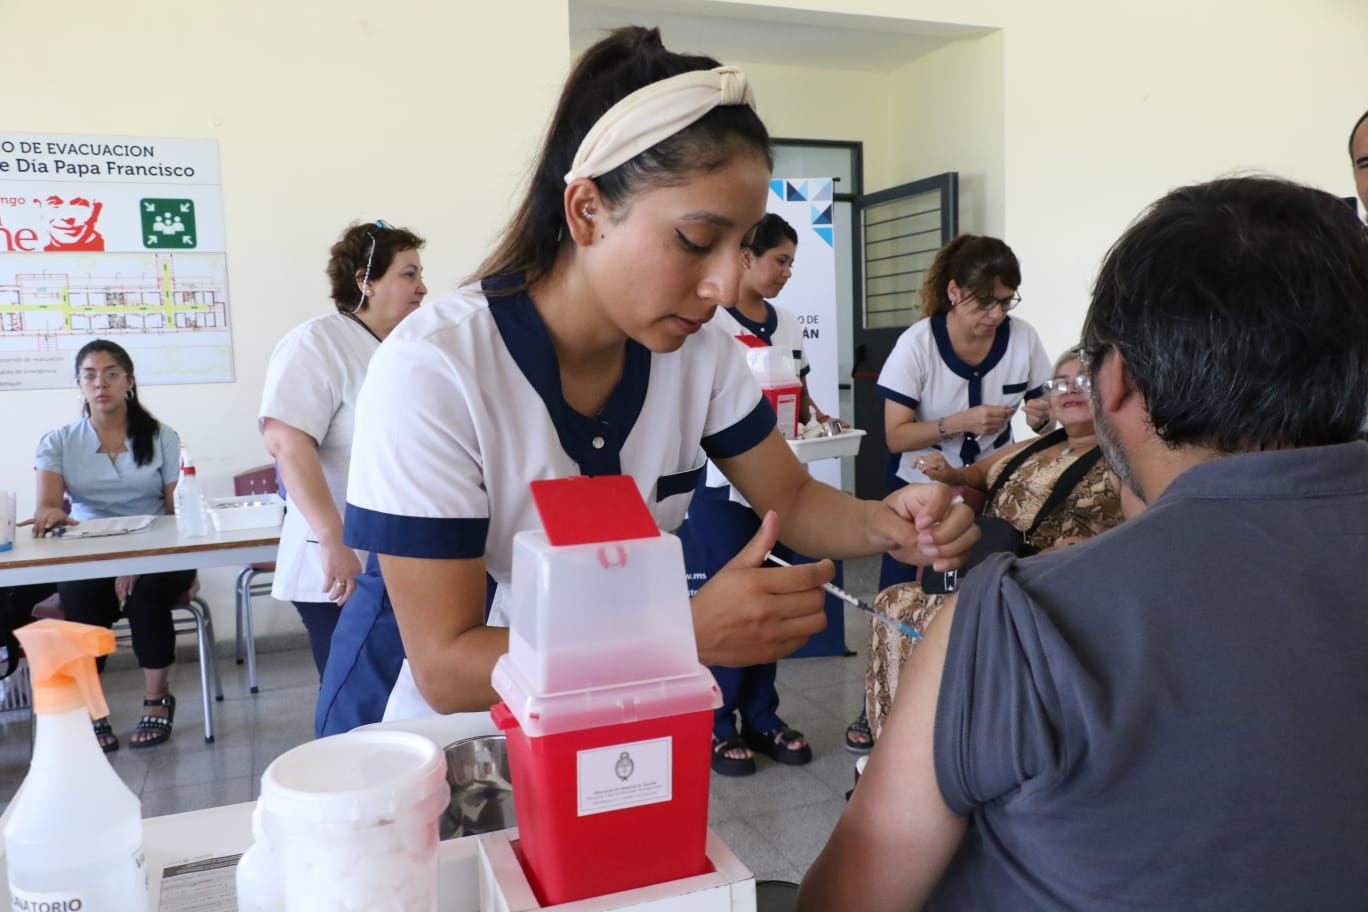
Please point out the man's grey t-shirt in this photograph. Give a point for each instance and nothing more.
(1173, 715)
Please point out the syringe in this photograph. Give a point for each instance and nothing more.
(846, 597)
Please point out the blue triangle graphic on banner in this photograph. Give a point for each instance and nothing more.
(792, 192)
(777, 188)
(821, 215)
(823, 191)
(825, 234)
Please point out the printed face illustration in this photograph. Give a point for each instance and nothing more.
(71, 223)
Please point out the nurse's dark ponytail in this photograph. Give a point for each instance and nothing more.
(973, 261)
(142, 426)
(628, 59)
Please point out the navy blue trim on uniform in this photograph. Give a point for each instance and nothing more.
(941, 333)
(764, 331)
(897, 397)
(969, 450)
(802, 374)
(745, 434)
(1035, 393)
(595, 444)
(678, 483)
(1010, 388)
(432, 537)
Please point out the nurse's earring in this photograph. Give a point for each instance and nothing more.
(587, 213)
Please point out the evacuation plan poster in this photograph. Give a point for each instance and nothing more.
(113, 237)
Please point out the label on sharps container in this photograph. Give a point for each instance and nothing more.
(624, 776)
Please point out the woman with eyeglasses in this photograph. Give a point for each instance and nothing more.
(582, 348)
(956, 377)
(308, 408)
(1055, 490)
(117, 460)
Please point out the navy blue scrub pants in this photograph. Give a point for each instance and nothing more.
(320, 620)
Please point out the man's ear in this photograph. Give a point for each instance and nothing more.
(583, 206)
(1114, 383)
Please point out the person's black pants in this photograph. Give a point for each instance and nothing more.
(148, 610)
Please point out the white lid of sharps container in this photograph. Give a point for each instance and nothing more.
(356, 777)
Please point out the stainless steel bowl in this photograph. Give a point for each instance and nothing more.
(481, 788)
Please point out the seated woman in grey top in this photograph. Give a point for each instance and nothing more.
(117, 460)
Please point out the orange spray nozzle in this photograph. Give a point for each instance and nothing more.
(61, 657)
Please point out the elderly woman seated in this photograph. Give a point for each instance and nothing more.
(1019, 481)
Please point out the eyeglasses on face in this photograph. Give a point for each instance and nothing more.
(110, 375)
(377, 226)
(1080, 384)
(987, 304)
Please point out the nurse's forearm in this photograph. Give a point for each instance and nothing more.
(454, 676)
(439, 606)
(296, 456)
(914, 435)
(824, 522)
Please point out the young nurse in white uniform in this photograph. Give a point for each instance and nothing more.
(583, 350)
(308, 408)
(721, 521)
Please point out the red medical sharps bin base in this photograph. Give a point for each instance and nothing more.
(568, 854)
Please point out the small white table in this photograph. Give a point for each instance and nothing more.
(157, 549)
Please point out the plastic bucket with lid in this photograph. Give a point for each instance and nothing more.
(351, 821)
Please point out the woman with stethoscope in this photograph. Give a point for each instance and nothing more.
(583, 349)
(307, 409)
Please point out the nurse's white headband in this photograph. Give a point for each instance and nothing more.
(654, 113)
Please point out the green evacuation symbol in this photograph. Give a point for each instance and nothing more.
(168, 224)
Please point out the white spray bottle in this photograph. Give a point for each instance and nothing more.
(74, 836)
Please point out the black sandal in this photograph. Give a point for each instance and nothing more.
(104, 735)
(859, 727)
(731, 766)
(774, 744)
(157, 726)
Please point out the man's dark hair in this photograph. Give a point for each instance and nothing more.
(1240, 307)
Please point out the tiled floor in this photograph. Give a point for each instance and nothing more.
(776, 821)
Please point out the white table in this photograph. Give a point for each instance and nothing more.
(157, 549)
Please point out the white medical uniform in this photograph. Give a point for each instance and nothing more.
(312, 383)
(924, 373)
(446, 474)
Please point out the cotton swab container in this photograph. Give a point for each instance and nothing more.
(351, 821)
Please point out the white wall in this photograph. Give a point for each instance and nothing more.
(816, 103)
(1104, 114)
(945, 112)
(1106, 106)
(420, 113)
